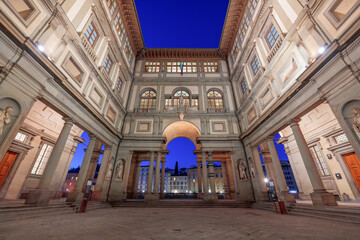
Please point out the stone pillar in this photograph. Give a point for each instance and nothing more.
(320, 197)
(213, 196)
(259, 174)
(200, 187)
(42, 194)
(284, 193)
(231, 179)
(157, 175)
(269, 166)
(226, 184)
(77, 195)
(162, 184)
(93, 164)
(136, 180)
(148, 195)
(102, 172)
(204, 175)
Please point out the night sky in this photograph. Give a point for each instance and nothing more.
(181, 24)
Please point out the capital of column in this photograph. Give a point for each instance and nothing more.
(92, 136)
(68, 120)
(294, 122)
(107, 147)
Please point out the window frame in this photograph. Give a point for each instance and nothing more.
(215, 99)
(149, 99)
(251, 65)
(269, 31)
(91, 23)
(108, 60)
(319, 160)
(38, 163)
(26, 22)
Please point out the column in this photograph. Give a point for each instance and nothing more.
(200, 187)
(42, 194)
(320, 197)
(157, 174)
(284, 193)
(93, 165)
(204, 175)
(269, 165)
(150, 176)
(226, 184)
(231, 179)
(259, 169)
(213, 196)
(102, 172)
(136, 180)
(77, 194)
(162, 184)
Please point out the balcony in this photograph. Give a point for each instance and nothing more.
(87, 46)
(216, 110)
(142, 110)
(275, 48)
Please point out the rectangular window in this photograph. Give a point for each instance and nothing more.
(195, 102)
(119, 25)
(128, 50)
(168, 102)
(20, 137)
(73, 69)
(188, 67)
(91, 34)
(211, 67)
(251, 6)
(152, 67)
(107, 64)
(243, 86)
(119, 84)
(271, 36)
(341, 138)
(42, 160)
(320, 163)
(244, 26)
(112, 6)
(255, 65)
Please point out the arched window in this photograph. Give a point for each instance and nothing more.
(185, 95)
(215, 100)
(147, 101)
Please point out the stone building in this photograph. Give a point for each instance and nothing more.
(281, 66)
(178, 184)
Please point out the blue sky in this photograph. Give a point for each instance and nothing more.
(181, 24)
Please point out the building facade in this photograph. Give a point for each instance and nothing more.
(281, 66)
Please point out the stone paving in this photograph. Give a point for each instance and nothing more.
(176, 223)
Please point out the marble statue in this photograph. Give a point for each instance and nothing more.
(181, 101)
(356, 120)
(242, 171)
(5, 117)
(119, 170)
(110, 168)
(252, 169)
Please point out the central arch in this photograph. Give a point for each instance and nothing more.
(182, 129)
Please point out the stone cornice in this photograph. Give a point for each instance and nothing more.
(181, 53)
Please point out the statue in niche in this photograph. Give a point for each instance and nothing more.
(242, 171)
(110, 168)
(181, 101)
(252, 168)
(119, 172)
(5, 117)
(356, 120)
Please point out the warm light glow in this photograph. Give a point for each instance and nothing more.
(321, 50)
(41, 48)
(266, 180)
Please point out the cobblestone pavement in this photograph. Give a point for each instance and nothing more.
(176, 223)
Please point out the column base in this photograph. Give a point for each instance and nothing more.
(323, 198)
(162, 195)
(200, 195)
(40, 197)
(150, 198)
(287, 197)
(75, 196)
(210, 197)
(261, 197)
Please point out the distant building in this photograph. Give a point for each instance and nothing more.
(192, 175)
(143, 177)
(70, 182)
(288, 174)
(178, 184)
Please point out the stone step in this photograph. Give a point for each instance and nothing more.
(180, 204)
(332, 219)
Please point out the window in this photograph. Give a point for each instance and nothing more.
(251, 6)
(320, 163)
(174, 67)
(185, 95)
(243, 85)
(91, 34)
(255, 65)
(20, 137)
(341, 8)
(42, 159)
(147, 100)
(215, 99)
(119, 26)
(211, 67)
(107, 64)
(119, 84)
(195, 102)
(244, 26)
(112, 6)
(271, 36)
(341, 138)
(128, 50)
(152, 67)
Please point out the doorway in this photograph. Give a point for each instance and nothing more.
(6, 165)
(353, 164)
